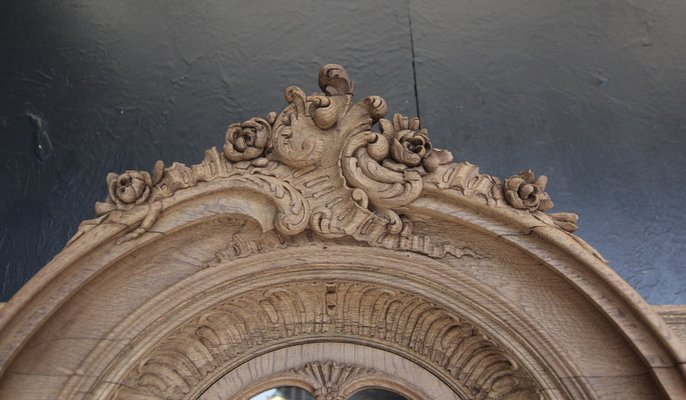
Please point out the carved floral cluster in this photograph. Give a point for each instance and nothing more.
(386, 169)
(524, 192)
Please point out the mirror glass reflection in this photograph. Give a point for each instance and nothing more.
(296, 393)
(284, 393)
(376, 394)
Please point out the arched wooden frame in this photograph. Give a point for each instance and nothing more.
(327, 225)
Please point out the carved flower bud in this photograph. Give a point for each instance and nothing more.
(525, 193)
(431, 162)
(566, 221)
(248, 140)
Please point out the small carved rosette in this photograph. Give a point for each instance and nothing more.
(526, 193)
(409, 145)
(249, 140)
(125, 191)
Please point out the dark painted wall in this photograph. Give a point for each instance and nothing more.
(592, 94)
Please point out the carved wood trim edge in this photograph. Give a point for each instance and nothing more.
(332, 166)
(675, 317)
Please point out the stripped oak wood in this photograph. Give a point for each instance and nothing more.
(330, 248)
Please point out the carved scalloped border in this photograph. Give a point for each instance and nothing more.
(217, 338)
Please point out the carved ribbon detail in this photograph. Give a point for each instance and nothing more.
(333, 166)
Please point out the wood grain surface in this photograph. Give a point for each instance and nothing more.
(330, 248)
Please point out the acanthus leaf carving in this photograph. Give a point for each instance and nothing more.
(323, 163)
(333, 80)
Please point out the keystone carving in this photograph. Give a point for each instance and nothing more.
(333, 166)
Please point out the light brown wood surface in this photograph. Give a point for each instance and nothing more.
(328, 240)
(675, 317)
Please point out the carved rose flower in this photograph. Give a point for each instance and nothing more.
(409, 145)
(248, 140)
(525, 193)
(129, 188)
(327, 393)
(125, 191)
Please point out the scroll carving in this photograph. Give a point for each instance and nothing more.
(220, 336)
(330, 165)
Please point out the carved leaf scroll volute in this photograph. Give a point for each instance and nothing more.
(330, 165)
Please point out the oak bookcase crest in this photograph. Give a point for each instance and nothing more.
(329, 248)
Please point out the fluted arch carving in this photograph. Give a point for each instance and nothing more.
(359, 312)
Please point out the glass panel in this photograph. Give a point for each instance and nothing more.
(376, 394)
(284, 393)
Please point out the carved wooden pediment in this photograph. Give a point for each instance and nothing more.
(334, 167)
(330, 248)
